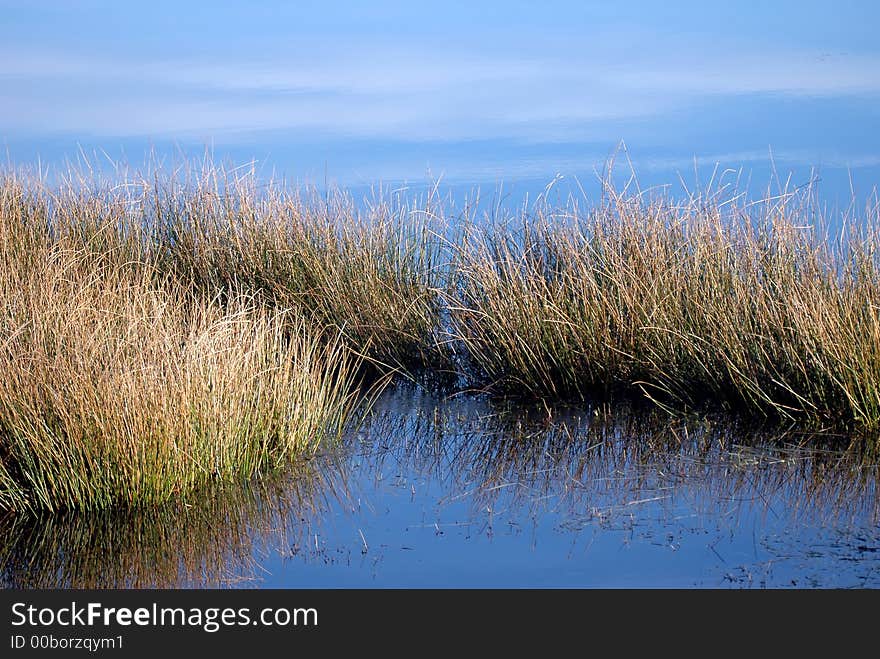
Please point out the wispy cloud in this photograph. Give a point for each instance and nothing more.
(812, 74)
(410, 91)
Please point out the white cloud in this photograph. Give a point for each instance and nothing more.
(410, 91)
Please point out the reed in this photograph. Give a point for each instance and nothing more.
(373, 273)
(122, 387)
(753, 309)
(161, 331)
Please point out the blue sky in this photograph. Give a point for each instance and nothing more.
(476, 92)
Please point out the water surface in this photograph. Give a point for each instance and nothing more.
(461, 492)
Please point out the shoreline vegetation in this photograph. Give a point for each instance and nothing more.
(163, 331)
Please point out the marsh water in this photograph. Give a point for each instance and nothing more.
(463, 491)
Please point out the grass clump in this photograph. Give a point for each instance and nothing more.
(373, 274)
(164, 331)
(122, 387)
(691, 304)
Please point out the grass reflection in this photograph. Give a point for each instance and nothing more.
(600, 469)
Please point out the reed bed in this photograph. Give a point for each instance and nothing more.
(755, 310)
(164, 330)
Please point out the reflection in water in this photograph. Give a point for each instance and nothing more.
(210, 541)
(519, 459)
(466, 493)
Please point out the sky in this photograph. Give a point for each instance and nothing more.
(476, 93)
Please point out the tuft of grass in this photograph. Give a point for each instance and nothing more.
(691, 304)
(373, 274)
(124, 388)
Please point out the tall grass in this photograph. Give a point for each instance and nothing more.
(122, 387)
(691, 304)
(374, 274)
(161, 331)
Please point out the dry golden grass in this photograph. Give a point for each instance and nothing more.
(692, 304)
(373, 274)
(122, 387)
(162, 331)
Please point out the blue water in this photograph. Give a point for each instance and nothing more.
(567, 506)
(461, 492)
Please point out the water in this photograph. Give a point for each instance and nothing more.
(463, 492)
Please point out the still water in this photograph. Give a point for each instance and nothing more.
(465, 492)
